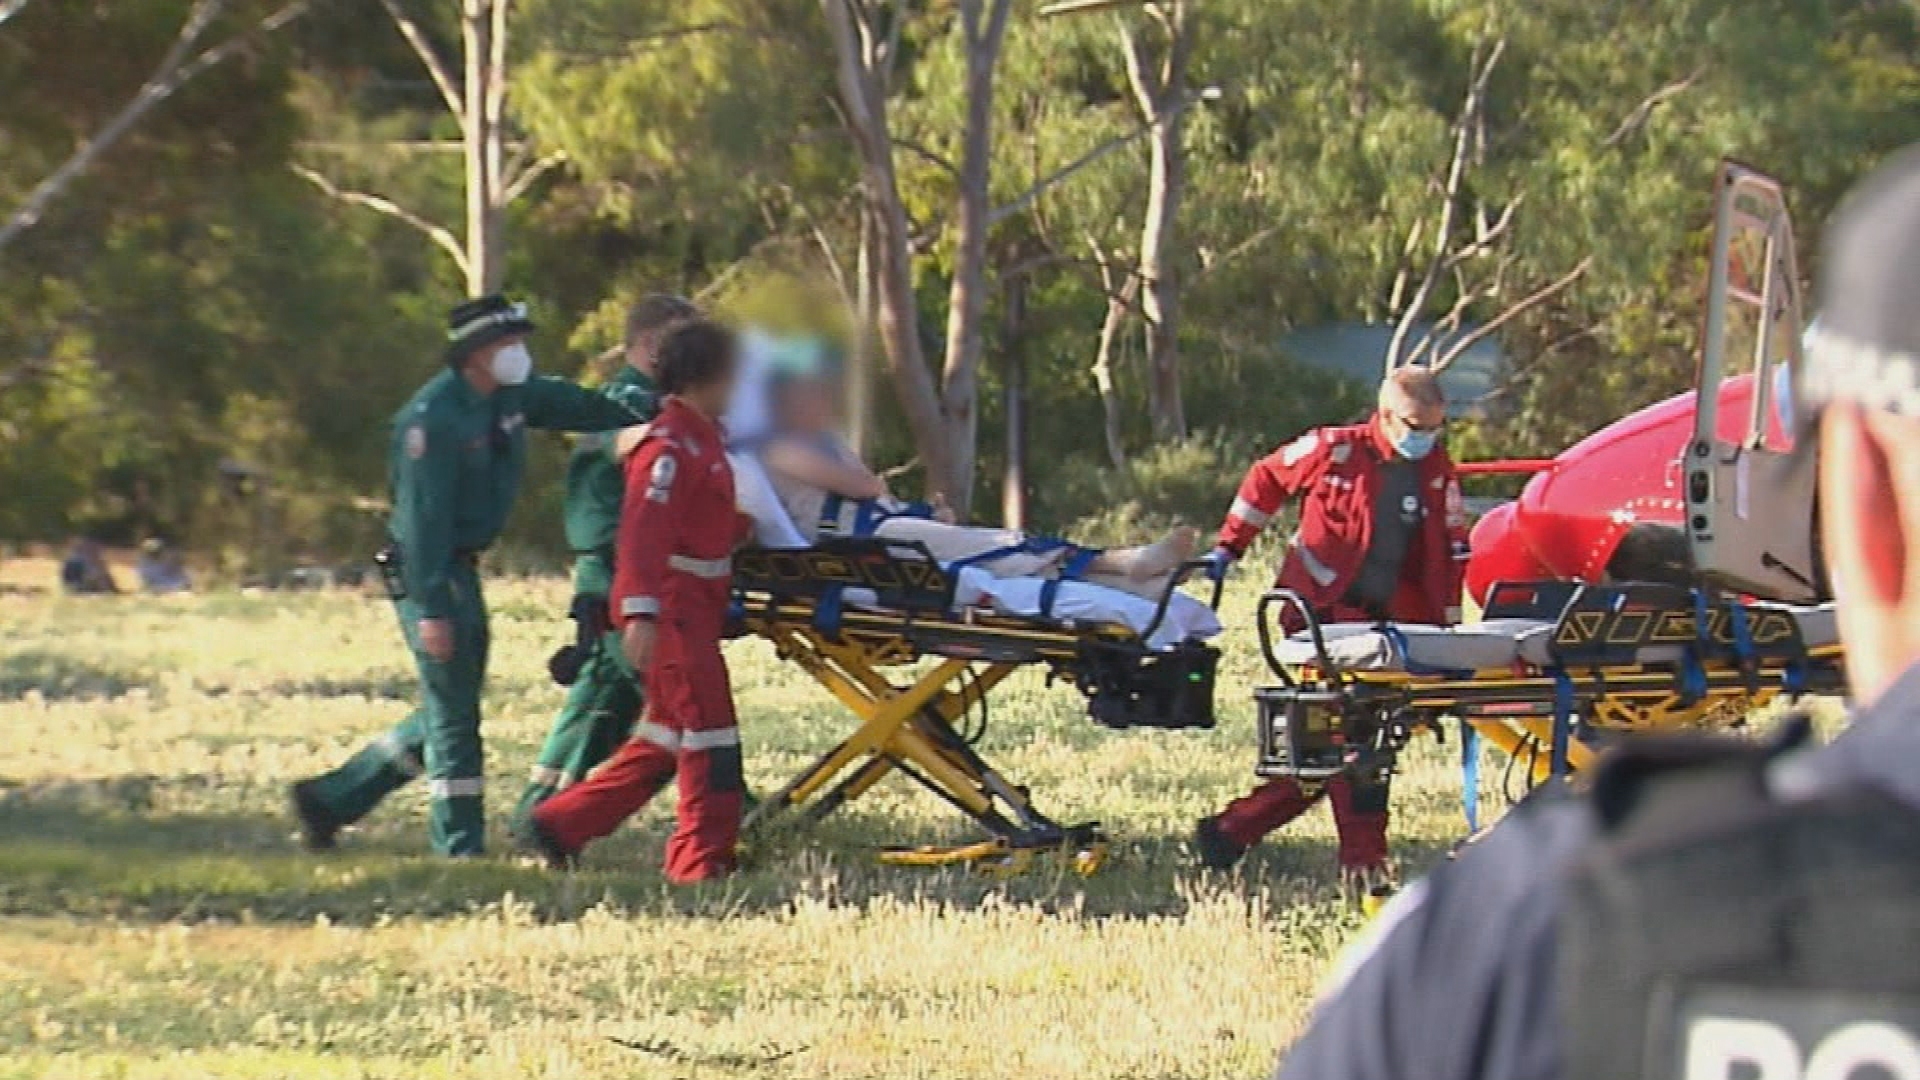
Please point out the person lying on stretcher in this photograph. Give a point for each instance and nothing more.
(828, 491)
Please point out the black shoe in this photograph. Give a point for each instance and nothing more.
(1214, 849)
(537, 841)
(318, 830)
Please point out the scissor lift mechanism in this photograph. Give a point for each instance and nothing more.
(1617, 659)
(849, 611)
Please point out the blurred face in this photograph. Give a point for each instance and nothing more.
(808, 406)
(712, 397)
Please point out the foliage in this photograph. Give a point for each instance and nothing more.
(192, 300)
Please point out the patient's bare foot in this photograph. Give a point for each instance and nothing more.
(1164, 555)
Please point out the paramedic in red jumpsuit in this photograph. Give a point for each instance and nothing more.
(1382, 532)
(678, 528)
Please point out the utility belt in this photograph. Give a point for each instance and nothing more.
(391, 561)
(842, 516)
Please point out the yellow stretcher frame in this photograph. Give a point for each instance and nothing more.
(909, 726)
(1611, 690)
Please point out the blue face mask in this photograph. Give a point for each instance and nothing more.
(1415, 445)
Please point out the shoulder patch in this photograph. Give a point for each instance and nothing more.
(415, 441)
(660, 484)
(1298, 449)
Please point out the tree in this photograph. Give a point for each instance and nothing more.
(184, 61)
(477, 101)
(1160, 90)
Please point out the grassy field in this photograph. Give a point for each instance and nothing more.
(159, 920)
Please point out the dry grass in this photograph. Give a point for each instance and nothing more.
(160, 923)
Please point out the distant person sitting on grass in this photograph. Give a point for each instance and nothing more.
(83, 572)
(161, 568)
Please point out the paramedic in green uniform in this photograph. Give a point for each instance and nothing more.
(604, 701)
(459, 448)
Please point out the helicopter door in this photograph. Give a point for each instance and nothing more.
(1750, 515)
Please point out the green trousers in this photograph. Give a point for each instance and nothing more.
(602, 706)
(441, 738)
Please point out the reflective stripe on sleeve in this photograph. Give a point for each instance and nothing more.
(1249, 513)
(710, 569)
(658, 734)
(640, 605)
(710, 740)
(546, 776)
(1320, 572)
(456, 787)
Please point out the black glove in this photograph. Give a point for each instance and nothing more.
(591, 621)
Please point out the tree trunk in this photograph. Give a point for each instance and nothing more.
(983, 22)
(1120, 298)
(1161, 97)
(1013, 492)
(859, 379)
(483, 37)
(859, 59)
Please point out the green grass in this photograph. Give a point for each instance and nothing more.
(157, 919)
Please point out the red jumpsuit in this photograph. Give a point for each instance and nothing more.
(678, 527)
(1335, 472)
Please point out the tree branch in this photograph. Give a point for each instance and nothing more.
(381, 204)
(1463, 130)
(528, 175)
(173, 72)
(927, 154)
(1047, 183)
(1643, 112)
(1532, 300)
(437, 68)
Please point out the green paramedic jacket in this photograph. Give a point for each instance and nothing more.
(455, 466)
(595, 483)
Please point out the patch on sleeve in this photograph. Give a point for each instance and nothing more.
(660, 486)
(415, 441)
(1299, 448)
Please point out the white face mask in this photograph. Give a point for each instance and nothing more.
(512, 364)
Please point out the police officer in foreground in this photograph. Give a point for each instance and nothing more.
(459, 448)
(1708, 913)
(604, 699)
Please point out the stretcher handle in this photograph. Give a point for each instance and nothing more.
(1166, 596)
(1266, 619)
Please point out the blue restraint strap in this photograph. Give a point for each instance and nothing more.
(1742, 632)
(1073, 569)
(1398, 639)
(828, 611)
(1562, 722)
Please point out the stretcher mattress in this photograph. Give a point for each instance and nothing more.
(1490, 645)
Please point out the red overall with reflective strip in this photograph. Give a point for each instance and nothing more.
(1334, 472)
(678, 528)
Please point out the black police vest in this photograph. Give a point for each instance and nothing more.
(1723, 929)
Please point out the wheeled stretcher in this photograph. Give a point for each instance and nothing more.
(1551, 671)
(859, 615)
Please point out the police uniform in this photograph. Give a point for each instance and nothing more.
(1709, 911)
(604, 700)
(1378, 539)
(455, 466)
(678, 528)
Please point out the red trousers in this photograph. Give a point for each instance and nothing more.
(688, 734)
(1359, 807)
(1359, 812)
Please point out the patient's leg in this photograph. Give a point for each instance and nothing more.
(1151, 562)
(952, 543)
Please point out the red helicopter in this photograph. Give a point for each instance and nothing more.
(1700, 488)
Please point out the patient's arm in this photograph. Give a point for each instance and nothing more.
(807, 464)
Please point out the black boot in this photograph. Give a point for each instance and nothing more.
(537, 841)
(318, 829)
(1215, 850)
